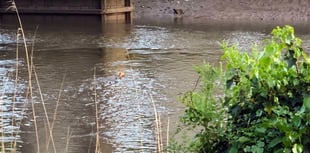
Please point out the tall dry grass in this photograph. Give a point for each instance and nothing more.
(50, 123)
(98, 148)
(33, 78)
(29, 68)
(32, 75)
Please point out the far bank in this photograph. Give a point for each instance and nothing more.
(231, 10)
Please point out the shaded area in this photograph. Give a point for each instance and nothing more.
(52, 7)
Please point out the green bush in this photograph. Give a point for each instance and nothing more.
(259, 101)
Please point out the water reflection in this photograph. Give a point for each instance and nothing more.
(157, 61)
(12, 103)
(125, 103)
(7, 39)
(245, 40)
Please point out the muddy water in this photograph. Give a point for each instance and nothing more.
(124, 69)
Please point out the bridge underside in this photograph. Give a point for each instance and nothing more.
(112, 10)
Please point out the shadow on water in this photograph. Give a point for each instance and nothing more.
(155, 59)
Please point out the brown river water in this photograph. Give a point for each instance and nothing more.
(78, 58)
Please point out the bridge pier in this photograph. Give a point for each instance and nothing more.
(117, 10)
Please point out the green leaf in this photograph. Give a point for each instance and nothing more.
(306, 102)
(275, 142)
(257, 148)
(296, 82)
(285, 150)
(296, 120)
(259, 113)
(297, 148)
(260, 130)
(269, 50)
(293, 136)
(265, 61)
(234, 149)
(279, 150)
(244, 139)
(271, 83)
(261, 144)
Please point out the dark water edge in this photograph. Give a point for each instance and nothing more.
(91, 22)
(222, 25)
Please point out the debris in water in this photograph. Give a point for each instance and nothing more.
(121, 74)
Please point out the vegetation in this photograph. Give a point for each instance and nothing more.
(259, 101)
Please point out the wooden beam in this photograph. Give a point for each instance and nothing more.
(52, 11)
(118, 10)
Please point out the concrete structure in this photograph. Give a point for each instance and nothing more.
(111, 10)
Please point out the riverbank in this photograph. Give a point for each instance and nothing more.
(243, 10)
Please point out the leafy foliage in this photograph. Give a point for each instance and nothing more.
(260, 103)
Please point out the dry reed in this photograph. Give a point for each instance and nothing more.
(45, 110)
(2, 123)
(56, 108)
(29, 93)
(50, 125)
(69, 134)
(29, 89)
(31, 69)
(168, 130)
(158, 124)
(97, 150)
(13, 144)
(157, 127)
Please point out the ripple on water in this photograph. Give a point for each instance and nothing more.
(126, 112)
(12, 105)
(131, 122)
(157, 61)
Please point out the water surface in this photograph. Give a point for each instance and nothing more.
(79, 64)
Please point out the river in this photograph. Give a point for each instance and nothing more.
(123, 70)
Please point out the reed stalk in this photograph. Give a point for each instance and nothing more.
(45, 110)
(3, 148)
(157, 127)
(56, 108)
(69, 134)
(13, 144)
(50, 125)
(168, 130)
(91, 140)
(97, 150)
(29, 89)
